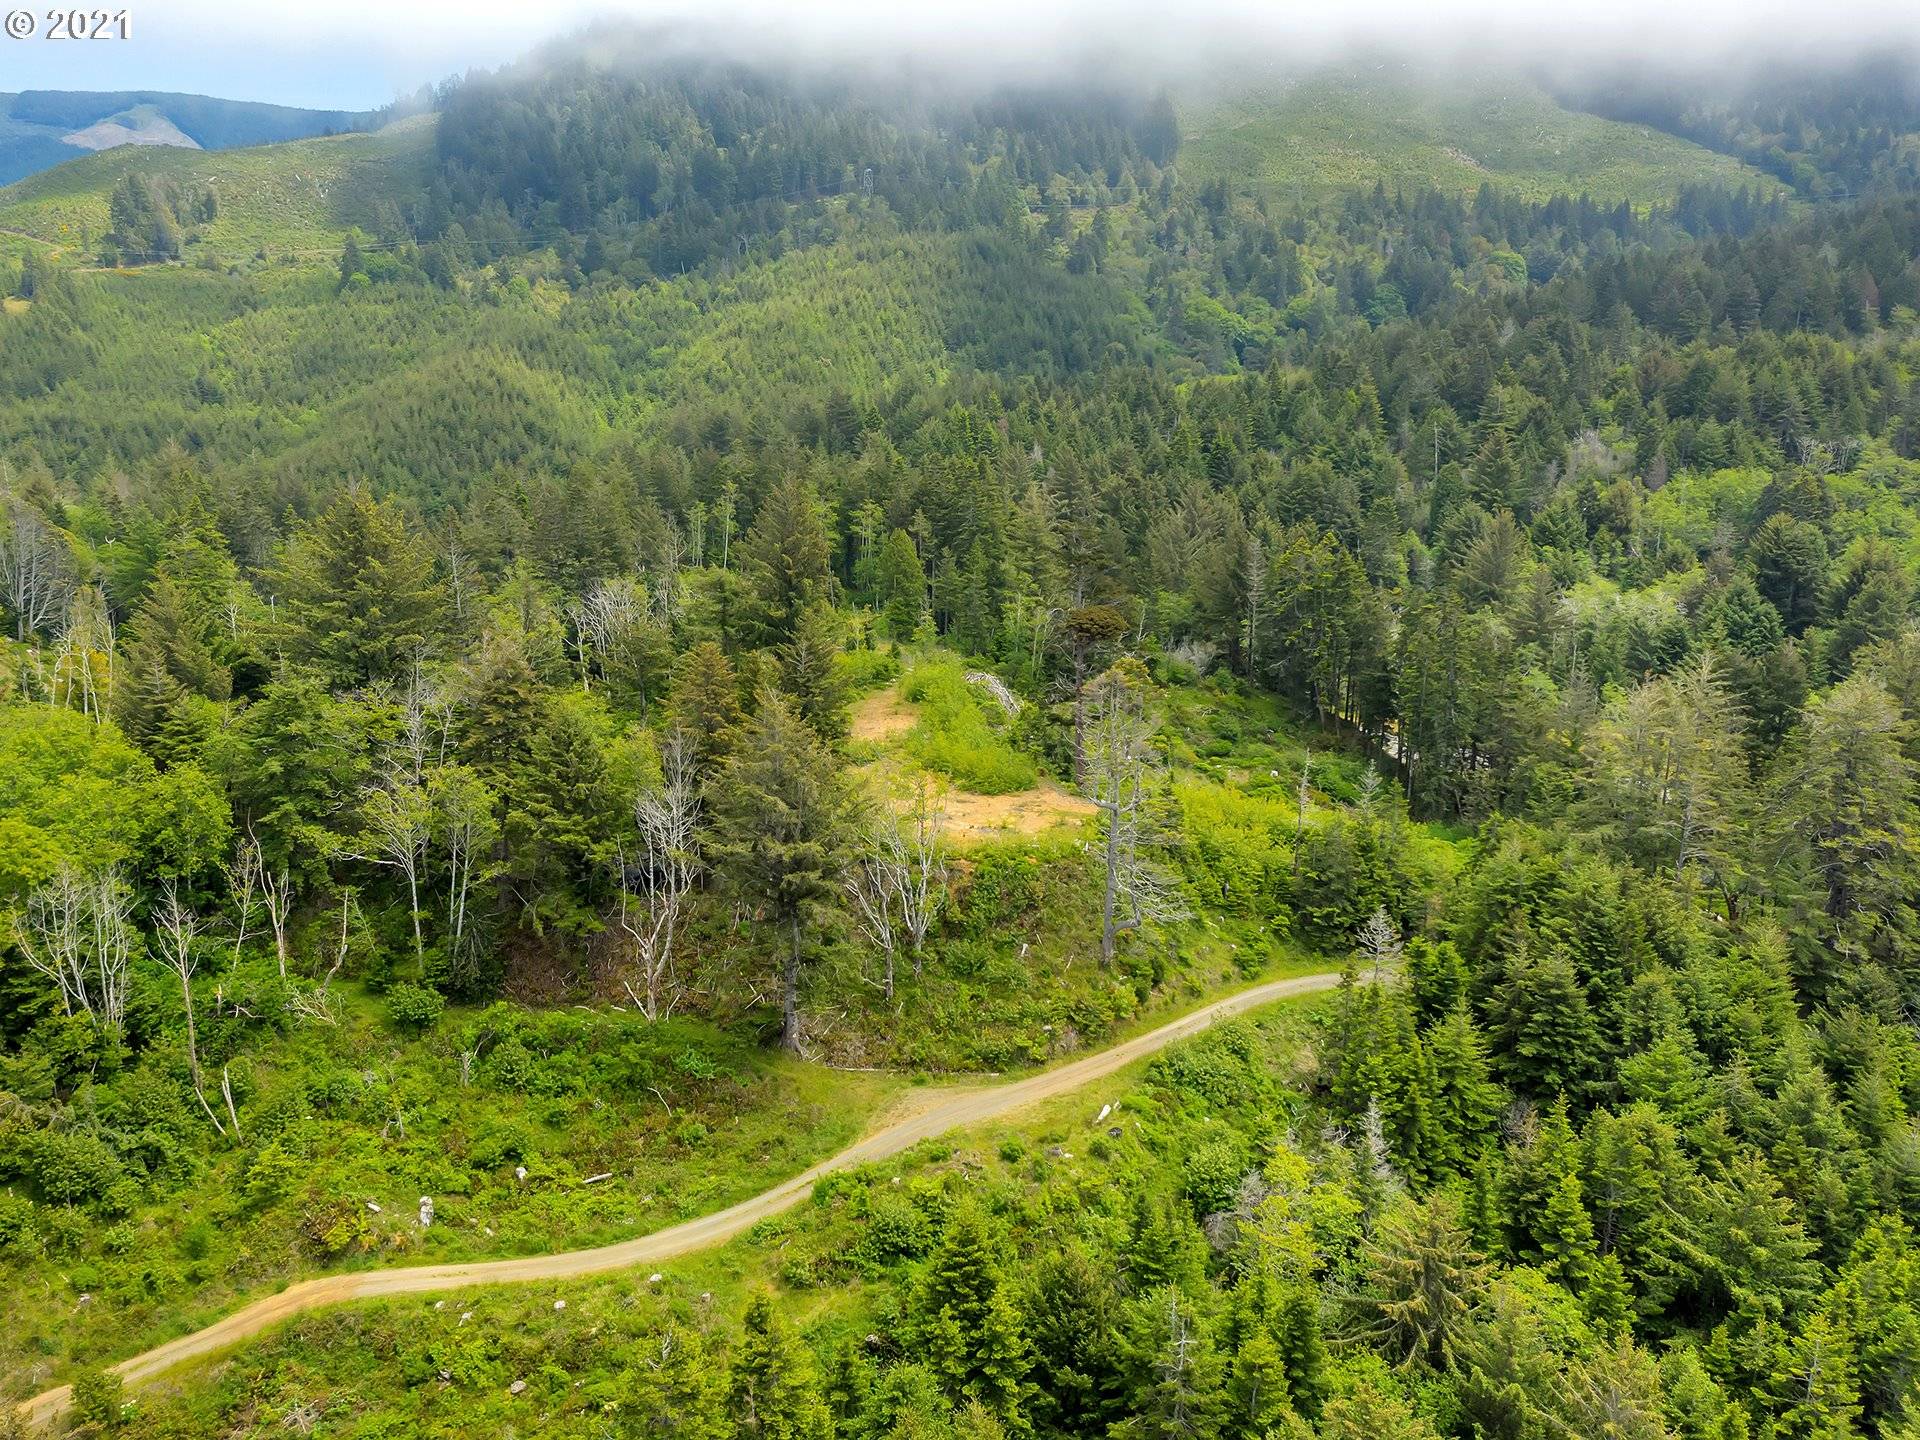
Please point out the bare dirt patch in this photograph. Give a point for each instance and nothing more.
(1025, 812)
(881, 715)
(884, 716)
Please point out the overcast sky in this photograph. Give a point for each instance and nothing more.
(360, 53)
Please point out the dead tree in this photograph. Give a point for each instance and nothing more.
(654, 893)
(463, 827)
(176, 928)
(243, 881)
(36, 569)
(398, 817)
(1120, 767)
(871, 884)
(602, 620)
(1090, 629)
(77, 931)
(276, 893)
(914, 844)
(1378, 943)
(83, 658)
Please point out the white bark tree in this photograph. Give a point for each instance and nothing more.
(77, 931)
(398, 817)
(653, 893)
(36, 569)
(898, 880)
(1378, 943)
(176, 929)
(602, 620)
(243, 881)
(463, 827)
(84, 655)
(277, 896)
(1121, 764)
(870, 883)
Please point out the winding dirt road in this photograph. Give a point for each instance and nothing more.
(941, 1112)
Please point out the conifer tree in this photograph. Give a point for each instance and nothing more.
(1070, 1309)
(1815, 1386)
(902, 585)
(1566, 1235)
(1179, 1389)
(674, 1390)
(704, 703)
(773, 1392)
(782, 814)
(1609, 1299)
(1259, 1399)
(356, 592)
(971, 1331)
(810, 672)
(1303, 1348)
(1424, 1278)
(785, 556)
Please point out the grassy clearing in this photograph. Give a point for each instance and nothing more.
(436, 1366)
(684, 1118)
(955, 736)
(298, 198)
(1332, 132)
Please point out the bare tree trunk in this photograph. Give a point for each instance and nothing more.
(277, 893)
(790, 1002)
(1110, 896)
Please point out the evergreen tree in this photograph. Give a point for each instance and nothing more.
(356, 592)
(810, 672)
(1258, 1397)
(1303, 1349)
(704, 703)
(1815, 1387)
(1566, 1235)
(971, 1331)
(1423, 1279)
(782, 815)
(785, 557)
(1071, 1309)
(772, 1390)
(902, 585)
(674, 1390)
(1178, 1381)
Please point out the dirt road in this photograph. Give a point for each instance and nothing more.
(937, 1113)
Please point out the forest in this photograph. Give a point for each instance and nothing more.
(744, 599)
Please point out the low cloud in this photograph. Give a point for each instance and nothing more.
(362, 52)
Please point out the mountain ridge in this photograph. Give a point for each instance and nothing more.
(43, 128)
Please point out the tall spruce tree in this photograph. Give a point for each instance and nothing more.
(781, 819)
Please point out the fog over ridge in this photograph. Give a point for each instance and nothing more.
(360, 53)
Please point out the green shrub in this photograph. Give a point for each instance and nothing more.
(1006, 885)
(897, 1229)
(73, 1168)
(1211, 1175)
(97, 1399)
(866, 669)
(18, 1234)
(954, 736)
(498, 1143)
(414, 1009)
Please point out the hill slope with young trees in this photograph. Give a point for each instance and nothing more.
(611, 585)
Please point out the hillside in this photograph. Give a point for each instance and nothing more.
(299, 197)
(1307, 138)
(43, 128)
(561, 662)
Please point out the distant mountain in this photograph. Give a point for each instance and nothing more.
(41, 128)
